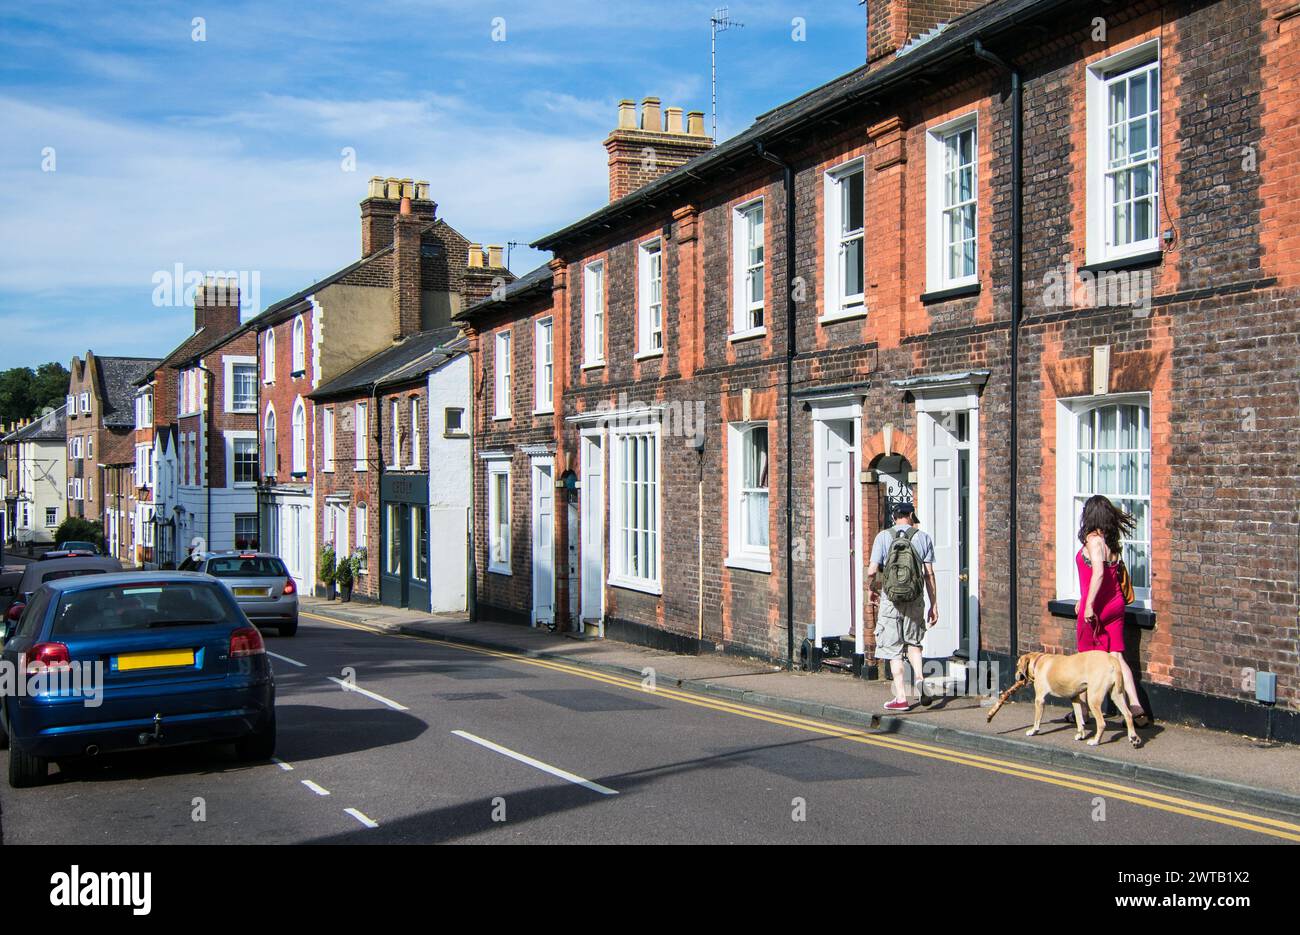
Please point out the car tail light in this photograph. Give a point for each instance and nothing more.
(15, 611)
(45, 657)
(289, 587)
(246, 641)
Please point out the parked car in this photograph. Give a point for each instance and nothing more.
(37, 573)
(260, 583)
(77, 545)
(180, 665)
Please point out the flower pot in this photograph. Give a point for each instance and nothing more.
(329, 591)
(347, 593)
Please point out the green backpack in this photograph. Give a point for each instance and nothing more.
(902, 572)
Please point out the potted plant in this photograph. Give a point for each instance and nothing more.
(326, 569)
(345, 574)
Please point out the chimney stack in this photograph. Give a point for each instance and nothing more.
(640, 151)
(892, 24)
(382, 204)
(406, 227)
(495, 260)
(216, 304)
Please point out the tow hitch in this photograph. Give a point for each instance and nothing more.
(154, 736)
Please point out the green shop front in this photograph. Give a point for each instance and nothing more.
(404, 532)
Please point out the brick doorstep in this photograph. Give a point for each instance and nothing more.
(1226, 767)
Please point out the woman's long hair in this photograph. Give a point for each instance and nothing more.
(1100, 514)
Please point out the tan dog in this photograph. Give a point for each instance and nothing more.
(1086, 677)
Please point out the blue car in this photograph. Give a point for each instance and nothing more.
(123, 661)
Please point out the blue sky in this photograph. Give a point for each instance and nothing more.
(226, 154)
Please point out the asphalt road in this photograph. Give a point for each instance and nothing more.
(448, 744)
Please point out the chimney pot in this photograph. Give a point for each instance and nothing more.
(627, 115)
(376, 187)
(695, 123)
(422, 191)
(673, 119)
(476, 256)
(406, 206)
(650, 117)
(392, 188)
(494, 255)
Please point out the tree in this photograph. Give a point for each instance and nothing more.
(79, 529)
(26, 393)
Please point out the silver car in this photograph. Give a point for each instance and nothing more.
(262, 585)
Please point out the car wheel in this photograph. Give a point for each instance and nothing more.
(259, 745)
(289, 629)
(26, 770)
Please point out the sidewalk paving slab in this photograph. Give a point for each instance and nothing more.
(1191, 760)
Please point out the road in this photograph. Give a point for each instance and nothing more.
(393, 739)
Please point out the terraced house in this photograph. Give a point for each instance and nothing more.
(1031, 251)
(415, 272)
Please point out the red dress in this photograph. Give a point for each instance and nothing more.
(1108, 634)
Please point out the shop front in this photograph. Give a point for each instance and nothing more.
(404, 536)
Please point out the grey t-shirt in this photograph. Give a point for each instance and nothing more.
(922, 545)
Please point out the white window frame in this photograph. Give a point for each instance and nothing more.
(448, 432)
(937, 172)
(70, 405)
(593, 314)
(51, 516)
(298, 428)
(395, 432)
(327, 438)
(299, 338)
(270, 442)
(1101, 245)
(1069, 411)
(740, 553)
(268, 353)
(837, 304)
(650, 315)
(621, 575)
(748, 318)
(499, 559)
(362, 517)
(231, 363)
(85, 402)
(501, 372)
(257, 531)
(361, 428)
(415, 432)
(232, 439)
(544, 366)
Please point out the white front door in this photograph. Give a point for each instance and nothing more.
(836, 522)
(940, 515)
(543, 543)
(593, 532)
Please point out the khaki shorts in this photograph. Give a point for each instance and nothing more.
(898, 627)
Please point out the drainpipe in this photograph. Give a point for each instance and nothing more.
(207, 448)
(1017, 308)
(787, 175)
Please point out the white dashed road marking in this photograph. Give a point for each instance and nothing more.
(368, 822)
(292, 662)
(537, 764)
(349, 687)
(315, 788)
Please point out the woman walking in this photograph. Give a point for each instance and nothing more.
(1101, 583)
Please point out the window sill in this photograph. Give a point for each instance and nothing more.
(544, 412)
(504, 418)
(749, 563)
(296, 374)
(635, 584)
(359, 467)
(594, 365)
(648, 355)
(500, 570)
(1135, 616)
(455, 435)
(759, 332)
(843, 315)
(950, 292)
(1132, 261)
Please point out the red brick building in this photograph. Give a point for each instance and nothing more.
(100, 434)
(1032, 251)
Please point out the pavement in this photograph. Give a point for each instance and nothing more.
(1226, 767)
(390, 737)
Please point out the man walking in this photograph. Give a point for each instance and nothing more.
(903, 558)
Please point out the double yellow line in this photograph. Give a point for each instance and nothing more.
(1150, 799)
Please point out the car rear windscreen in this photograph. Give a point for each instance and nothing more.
(71, 573)
(235, 567)
(138, 607)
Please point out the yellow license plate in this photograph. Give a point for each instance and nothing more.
(167, 658)
(252, 592)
